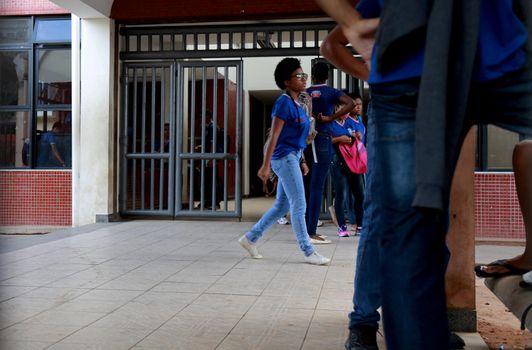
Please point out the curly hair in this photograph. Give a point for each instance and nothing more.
(284, 71)
(320, 71)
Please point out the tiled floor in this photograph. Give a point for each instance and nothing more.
(175, 285)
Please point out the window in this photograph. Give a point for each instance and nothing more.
(14, 78)
(35, 92)
(15, 30)
(53, 139)
(54, 82)
(495, 148)
(15, 139)
(52, 30)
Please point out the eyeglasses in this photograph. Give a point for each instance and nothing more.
(301, 76)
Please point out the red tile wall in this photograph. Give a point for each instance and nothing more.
(36, 198)
(497, 213)
(29, 7)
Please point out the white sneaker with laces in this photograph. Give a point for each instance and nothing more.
(317, 259)
(250, 247)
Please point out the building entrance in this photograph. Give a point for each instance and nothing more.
(182, 114)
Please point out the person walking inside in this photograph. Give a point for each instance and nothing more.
(285, 144)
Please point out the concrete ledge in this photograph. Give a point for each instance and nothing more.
(29, 229)
(516, 298)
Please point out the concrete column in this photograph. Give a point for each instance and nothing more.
(95, 192)
(76, 112)
(460, 278)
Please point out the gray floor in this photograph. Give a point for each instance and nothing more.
(174, 285)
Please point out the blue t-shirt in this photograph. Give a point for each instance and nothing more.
(500, 44)
(324, 99)
(46, 157)
(295, 129)
(356, 125)
(339, 128)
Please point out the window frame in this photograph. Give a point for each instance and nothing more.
(32, 107)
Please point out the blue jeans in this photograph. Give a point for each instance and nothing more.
(367, 295)
(410, 246)
(346, 185)
(290, 195)
(318, 174)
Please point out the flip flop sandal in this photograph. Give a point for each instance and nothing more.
(480, 270)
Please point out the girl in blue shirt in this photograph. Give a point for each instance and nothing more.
(283, 153)
(346, 183)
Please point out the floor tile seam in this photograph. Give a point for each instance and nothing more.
(88, 325)
(45, 310)
(277, 271)
(61, 247)
(50, 282)
(164, 323)
(31, 257)
(138, 267)
(319, 297)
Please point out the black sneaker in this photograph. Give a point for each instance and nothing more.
(455, 342)
(362, 337)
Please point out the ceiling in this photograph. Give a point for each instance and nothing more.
(176, 11)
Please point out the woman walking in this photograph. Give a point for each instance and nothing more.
(285, 144)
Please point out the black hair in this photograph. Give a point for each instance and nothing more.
(320, 72)
(284, 71)
(354, 95)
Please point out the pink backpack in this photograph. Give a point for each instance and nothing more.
(355, 156)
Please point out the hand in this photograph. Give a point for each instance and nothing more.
(358, 135)
(323, 118)
(345, 139)
(304, 168)
(361, 35)
(264, 173)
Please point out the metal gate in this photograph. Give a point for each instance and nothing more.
(180, 138)
(209, 121)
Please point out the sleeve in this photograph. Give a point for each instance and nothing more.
(281, 108)
(50, 138)
(369, 8)
(337, 95)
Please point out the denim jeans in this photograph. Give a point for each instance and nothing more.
(411, 246)
(367, 295)
(350, 205)
(346, 184)
(290, 195)
(318, 174)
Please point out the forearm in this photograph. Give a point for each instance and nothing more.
(340, 10)
(335, 51)
(57, 156)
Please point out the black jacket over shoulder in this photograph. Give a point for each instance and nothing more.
(448, 31)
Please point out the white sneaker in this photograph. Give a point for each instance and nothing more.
(320, 223)
(317, 239)
(317, 259)
(283, 221)
(250, 247)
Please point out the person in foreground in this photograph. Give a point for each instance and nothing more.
(285, 144)
(429, 85)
